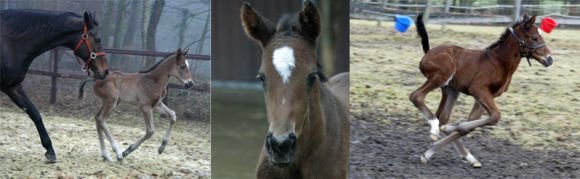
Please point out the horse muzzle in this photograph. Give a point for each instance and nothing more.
(101, 75)
(548, 61)
(188, 84)
(281, 149)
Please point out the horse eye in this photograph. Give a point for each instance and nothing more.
(261, 77)
(534, 39)
(311, 79)
(182, 66)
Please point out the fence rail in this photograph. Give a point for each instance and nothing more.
(54, 74)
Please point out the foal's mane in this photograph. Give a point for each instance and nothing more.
(26, 24)
(504, 36)
(157, 64)
(289, 26)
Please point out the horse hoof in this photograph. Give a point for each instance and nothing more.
(424, 159)
(161, 149)
(50, 158)
(434, 137)
(476, 165)
(443, 128)
(125, 153)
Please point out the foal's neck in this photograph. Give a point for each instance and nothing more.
(160, 74)
(315, 125)
(508, 54)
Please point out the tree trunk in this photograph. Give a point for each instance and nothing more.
(119, 24)
(182, 27)
(202, 38)
(156, 12)
(129, 36)
(106, 29)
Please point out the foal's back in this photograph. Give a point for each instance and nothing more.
(128, 87)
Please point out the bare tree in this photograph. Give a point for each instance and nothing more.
(106, 29)
(119, 24)
(156, 12)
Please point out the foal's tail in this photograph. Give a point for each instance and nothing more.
(422, 32)
(82, 88)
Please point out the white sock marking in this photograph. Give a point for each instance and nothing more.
(449, 80)
(470, 158)
(434, 125)
(283, 59)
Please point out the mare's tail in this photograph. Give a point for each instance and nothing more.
(82, 88)
(422, 32)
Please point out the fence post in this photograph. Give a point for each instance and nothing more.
(447, 16)
(517, 8)
(54, 76)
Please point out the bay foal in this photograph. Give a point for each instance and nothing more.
(483, 74)
(308, 135)
(144, 90)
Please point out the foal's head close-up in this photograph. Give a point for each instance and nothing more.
(531, 42)
(181, 68)
(89, 47)
(289, 73)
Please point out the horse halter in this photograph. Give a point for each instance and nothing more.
(531, 48)
(92, 54)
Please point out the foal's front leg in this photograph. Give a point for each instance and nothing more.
(485, 99)
(148, 117)
(102, 117)
(164, 109)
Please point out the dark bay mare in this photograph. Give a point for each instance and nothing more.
(25, 34)
(483, 74)
(308, 134)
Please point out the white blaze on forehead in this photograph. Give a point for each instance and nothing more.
(186, 63)
(283, 60)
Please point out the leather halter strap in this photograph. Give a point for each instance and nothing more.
(92, 54)
(531, 48)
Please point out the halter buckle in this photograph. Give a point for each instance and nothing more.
(93, 55)
(85, 36)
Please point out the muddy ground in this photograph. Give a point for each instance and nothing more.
(537, 137)
(71, 126)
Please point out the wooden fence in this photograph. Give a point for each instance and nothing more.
(54, 74)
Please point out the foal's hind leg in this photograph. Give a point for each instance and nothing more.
(164, 109)
(148, 117)
(418, 99)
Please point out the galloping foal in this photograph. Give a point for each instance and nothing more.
(483, 74)
(144, 90)
(309, 128)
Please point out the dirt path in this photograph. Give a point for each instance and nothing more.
(537, 136)
(76, 144)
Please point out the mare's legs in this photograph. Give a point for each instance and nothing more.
(18, 96)
(148, 117)
(164, 109)
(102, 117)
(418, 99)
(486, 101)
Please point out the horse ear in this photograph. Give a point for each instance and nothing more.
(185, 51)
(525, 17)
(88, 20)
(179, 52)
(256, 27)
(531, 21)
(309, 21)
